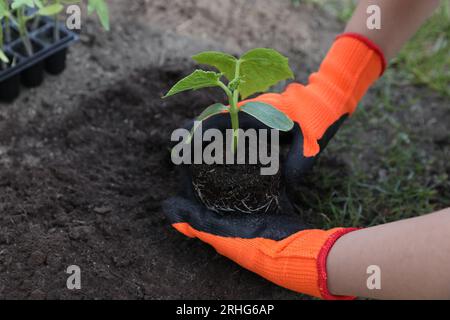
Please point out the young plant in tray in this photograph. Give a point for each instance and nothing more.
(3, 14)
(26, 16)
(255, 71)
(30, 44)
(24, 13)
(100, 7)
(28, 10)
(51, 9)
(5, 32)
(3, 58)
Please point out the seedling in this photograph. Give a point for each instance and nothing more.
(99, 7)
(94, 6)
(23, 16)
(20, 6)
(27, 10)
(20, 12)
(30, 44)
(4, 15)
(4, 60)
(49, 8)
(254, 72)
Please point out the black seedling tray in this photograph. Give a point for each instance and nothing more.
(47, 55)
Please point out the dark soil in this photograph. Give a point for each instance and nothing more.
(236, 188)
(90, 195)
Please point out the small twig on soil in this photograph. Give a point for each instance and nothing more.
(184, 25)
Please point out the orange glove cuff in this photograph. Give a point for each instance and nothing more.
(297, 262)
(351, 66)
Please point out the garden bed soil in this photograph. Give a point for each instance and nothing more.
(91, 196)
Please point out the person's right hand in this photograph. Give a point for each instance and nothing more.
(319, 108)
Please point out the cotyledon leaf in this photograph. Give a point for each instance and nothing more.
(212, 110)
(268, 115)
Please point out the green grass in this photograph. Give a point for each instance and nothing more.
(378, 169)
(427, 56)
(425, 59)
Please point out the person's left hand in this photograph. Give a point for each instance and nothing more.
(277, 247)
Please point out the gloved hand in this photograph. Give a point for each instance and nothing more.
(319, 108)
(278, 247)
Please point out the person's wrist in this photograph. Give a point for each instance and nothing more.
(322, 264)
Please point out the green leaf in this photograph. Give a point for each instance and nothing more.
(262, 68)
(3, 57)
(51, 10)
(4, 12)
(101, 9)
(196, 80)
(223, 62)
(70, 1)
(16, 4)
(38, 4)
(212, 110)
(268, 115)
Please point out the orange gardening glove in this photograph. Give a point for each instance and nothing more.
(276, 247)
(351, 66)
(280, 248)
